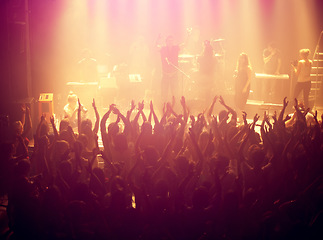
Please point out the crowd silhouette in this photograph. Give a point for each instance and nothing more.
(174, 176)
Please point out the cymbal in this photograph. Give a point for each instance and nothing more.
(186, 56)
(183, 61)
(217, 40)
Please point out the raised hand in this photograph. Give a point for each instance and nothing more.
(183, 101)
(285, 103)
(244, 117)
(141, 105)
(266, 116)
(23, 108)
(275, 116)
(295, 103)
(255, 118)
(52, 120)
(215, 98)
(133, 105)
(221, 100)
(111, 107)
(151, 106)
(115, 110)
(93, 104)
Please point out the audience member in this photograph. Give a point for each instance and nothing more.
(183, 177)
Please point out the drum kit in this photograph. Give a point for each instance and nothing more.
(189, 64)
(190, 61)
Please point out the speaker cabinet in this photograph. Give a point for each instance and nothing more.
(45, 105)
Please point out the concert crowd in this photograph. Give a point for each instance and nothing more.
(173, 176)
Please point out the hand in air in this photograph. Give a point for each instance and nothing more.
(221, 100)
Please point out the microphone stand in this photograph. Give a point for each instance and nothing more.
(183, 74)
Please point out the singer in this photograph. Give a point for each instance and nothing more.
(169, 59)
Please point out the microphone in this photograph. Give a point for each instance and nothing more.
(167, 60)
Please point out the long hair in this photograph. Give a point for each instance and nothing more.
(243, 62)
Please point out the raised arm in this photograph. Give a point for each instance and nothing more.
(266, 57)
(282, 112)
(152, 111)
(165, 114)
(140, 112)
(27, 122)
(230, 110)
(185, 109)
(127, 126)
(79, 116)
(37, 134)
(170, 108)
(141, 109)
(244, 116)
(131, 110)
(252, 127)
(209, 112)
(104, 120)
(264, 133)
(52, 121)
(97, 118)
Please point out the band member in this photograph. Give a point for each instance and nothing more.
(207, 60)
(242, 81)
(272, 65)
(70, 109)
(169, 59)
(303, 74)
(272, 59)
(207, 64)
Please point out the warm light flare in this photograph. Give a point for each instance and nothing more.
(110, 28)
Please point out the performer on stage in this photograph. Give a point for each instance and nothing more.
(207, 60)
(207, 65)
(303, 74)
(242, 81)
(272, 59)
(70, 109)
(169, 59)
(272, 65)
